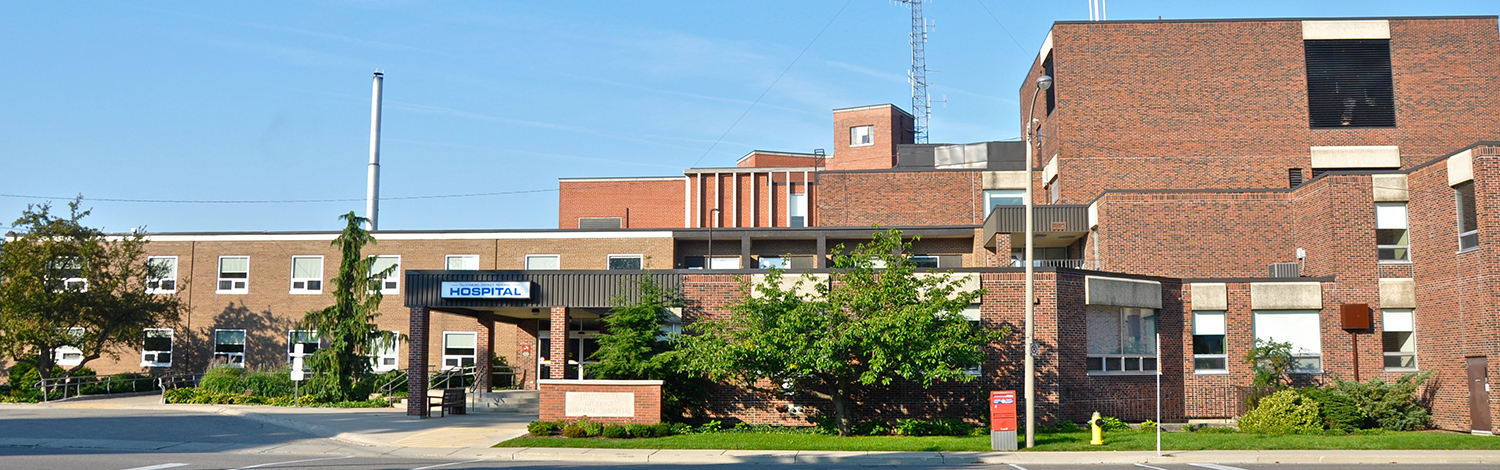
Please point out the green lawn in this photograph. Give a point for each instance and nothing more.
(1045, 442)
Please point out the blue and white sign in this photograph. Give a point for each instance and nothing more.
(486, 290)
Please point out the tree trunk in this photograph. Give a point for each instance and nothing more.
(841, 411)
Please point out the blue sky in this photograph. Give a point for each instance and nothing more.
(211, 101)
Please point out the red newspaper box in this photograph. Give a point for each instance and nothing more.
(1002, 410)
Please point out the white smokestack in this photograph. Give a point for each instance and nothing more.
(372, 191)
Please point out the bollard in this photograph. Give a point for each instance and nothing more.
(1098, 439)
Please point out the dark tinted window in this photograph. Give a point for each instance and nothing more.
(1051, 92)
(1349, 83)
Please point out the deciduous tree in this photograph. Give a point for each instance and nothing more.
(873, 321)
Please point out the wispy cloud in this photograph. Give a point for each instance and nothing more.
(509, 150)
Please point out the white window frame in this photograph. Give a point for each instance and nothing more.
(158, 282)
(990, 195)
(724, 262)
(1382, 223)
(458, 358)
(1211, 327)
(306, 289)
(768, 262)
(219, 275)
(868, 134)
(1399, 320)
(936, 262)
(448, 262)
(74, 283)
(1301, 354)
(638, 257)
(229, 356)
(558, 259)
(1458, 202)
(796, 210)
(291, 347)
(393, 353)
(1125, 359)
(60, 355)
(150, 357)
(392, 284)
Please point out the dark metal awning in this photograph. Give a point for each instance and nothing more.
(1053, 222)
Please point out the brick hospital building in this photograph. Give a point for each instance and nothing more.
(1332, 183)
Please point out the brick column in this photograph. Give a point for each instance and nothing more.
(526, 353)
(416, 363)
(559, 352)
(486, 352)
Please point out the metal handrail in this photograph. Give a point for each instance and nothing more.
(111, 384)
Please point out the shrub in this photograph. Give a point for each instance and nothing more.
(1337, 411)
(574, 431)
(1066, 426)
(269, 383)
(1111, 423)
(638, 430)
(661, 430)
(614, 431)
(542, 428)
(681, 428)
(715, 425)
(590, 428)
(869, 428)
(1147, 426)
(1393, 406)
(1284, 412)
(941, 427)
(223, 379)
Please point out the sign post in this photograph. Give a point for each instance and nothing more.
(296, 372)
(1003, 419)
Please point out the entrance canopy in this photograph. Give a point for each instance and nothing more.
(524, 294)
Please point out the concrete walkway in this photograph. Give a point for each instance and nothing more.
(374, 432)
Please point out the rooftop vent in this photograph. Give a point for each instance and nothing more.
(599, 223)
(1286, 269)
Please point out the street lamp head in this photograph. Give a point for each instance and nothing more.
(1044, 82)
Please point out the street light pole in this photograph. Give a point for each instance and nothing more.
(1042, 83)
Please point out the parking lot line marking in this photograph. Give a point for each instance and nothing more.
(159, 467)
(291, 461)
(1150, 467)
(447, 464)
(1215, 466)
(1018, 467)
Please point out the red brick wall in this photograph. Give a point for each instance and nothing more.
(1192, 234)
(892, 127)
(759, 159)
(1191, 105)
(655, 203)
(647, 402)
(864, 198)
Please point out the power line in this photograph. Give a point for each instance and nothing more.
(273, 201)
(1001, 25)
(773, 84)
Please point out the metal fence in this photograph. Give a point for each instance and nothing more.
(61, 388)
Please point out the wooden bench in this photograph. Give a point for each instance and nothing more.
(447, 401)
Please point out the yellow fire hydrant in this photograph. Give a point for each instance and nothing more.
(1098, 439)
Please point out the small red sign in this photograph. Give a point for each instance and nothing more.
(1003, 410)
(526, 348)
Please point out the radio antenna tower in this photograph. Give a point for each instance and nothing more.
(921, 105)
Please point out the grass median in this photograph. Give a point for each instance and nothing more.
(1076, 441)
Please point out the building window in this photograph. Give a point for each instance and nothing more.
(229, 347)
(724, 262)
(543, 262)
(386, 354)
(390, 283)
(1398, 331)
(461, 262)
(1003, 197)
(1293, 177)
(1468, 216)
(923, 261)
(307, 338)
(1301, 328)
(156, 350)
(1391, 234)
(768, 262)
(69, 355)
(307, 274)
(624, 262)
(161, 274)
(1121, 340)
(861, 135)
(70, 271)
(1208, 343)
(796, 210)
(458, 349)
(234, 274)
(972, 314)
(1051, 92)
(1054, 192)
(1349, 83)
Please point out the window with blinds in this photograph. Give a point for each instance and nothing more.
(1349, 83)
